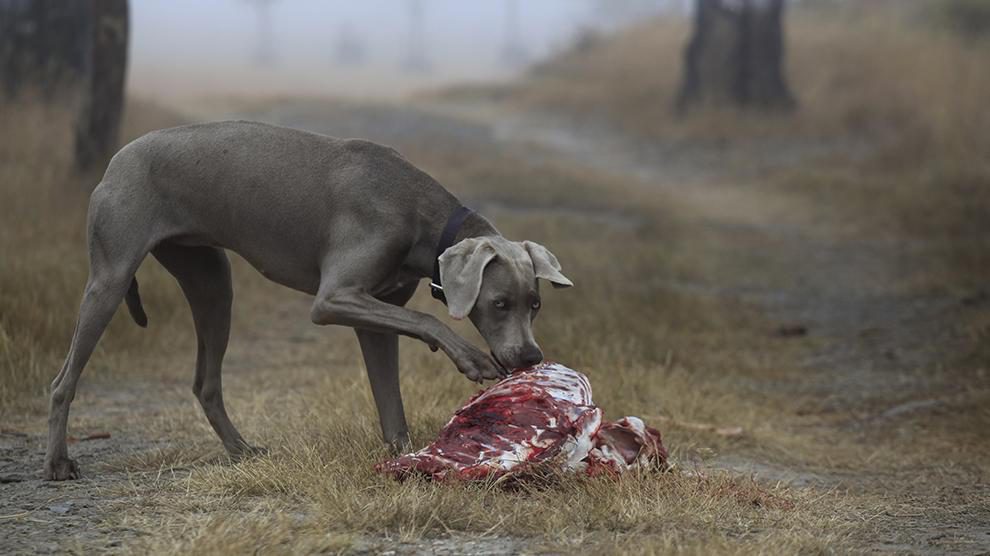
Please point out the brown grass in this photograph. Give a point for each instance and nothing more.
(324, 442)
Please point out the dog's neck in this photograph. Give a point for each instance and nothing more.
(424, 254)
(474, 225)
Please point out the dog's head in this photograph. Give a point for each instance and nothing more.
(493, 281)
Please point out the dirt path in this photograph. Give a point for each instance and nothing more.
(44, 517)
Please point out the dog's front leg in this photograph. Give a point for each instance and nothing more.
(356, 308)
(381, 358)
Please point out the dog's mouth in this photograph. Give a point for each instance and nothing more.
(505, 370)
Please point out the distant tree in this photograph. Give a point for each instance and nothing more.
(349, 49)
(616, 13)
(514, 51)
(417, 59)
(70, 51)
(736, 56)
(265, 53)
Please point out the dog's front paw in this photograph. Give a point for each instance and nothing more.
(63, 469)
(478, 366)
(398, 445)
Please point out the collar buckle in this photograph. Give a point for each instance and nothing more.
(437, 292)
(447, 237)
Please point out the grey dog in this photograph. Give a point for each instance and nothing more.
(349, 221)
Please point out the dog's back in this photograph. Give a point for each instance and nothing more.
(262, 191)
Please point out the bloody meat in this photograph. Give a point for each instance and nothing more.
(537, 417)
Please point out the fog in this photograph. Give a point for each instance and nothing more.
(373, 48)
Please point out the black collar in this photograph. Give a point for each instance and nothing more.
(454, 223)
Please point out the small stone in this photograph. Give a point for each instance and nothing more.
(61, 508)
(792, 330)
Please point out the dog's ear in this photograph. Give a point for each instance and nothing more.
(461, 268)
(546, 265)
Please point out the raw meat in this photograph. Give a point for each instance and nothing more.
(538, 417)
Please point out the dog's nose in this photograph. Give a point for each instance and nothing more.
(530, 356)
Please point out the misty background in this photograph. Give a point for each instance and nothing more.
(374, 49)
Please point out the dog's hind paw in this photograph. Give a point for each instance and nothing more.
(63, 469)
(246, 451)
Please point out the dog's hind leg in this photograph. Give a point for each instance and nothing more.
(204, 275)
(116, 249)
(102, 296)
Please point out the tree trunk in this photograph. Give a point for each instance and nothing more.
(736, 56)
(102, 101)
(42, 45)
(69, 51)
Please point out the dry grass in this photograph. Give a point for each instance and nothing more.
(43, 248)
(318, 484)
(43, 210)
(649, 347)
(25, 330)
(649, 350)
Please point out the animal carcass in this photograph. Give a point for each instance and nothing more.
(537, 418)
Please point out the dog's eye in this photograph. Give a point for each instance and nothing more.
(536, 305)
(499, 304)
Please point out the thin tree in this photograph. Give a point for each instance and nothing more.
(102, 106)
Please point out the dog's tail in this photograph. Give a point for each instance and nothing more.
(133, 300)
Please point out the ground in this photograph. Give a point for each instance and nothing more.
(800, 361)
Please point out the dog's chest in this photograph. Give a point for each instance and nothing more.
(402, 281)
